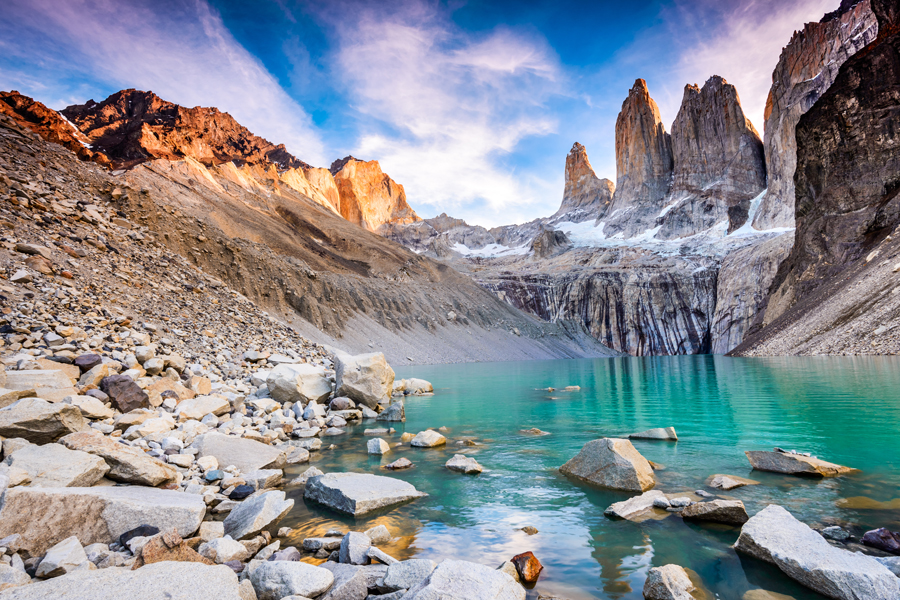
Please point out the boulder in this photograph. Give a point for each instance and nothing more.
(65, 556)
(301, 383)
(224, 549)
(90, 407)
(527, 566)
(393, 413)
(167, 546)
(730, 512)
(633, 508)
(400, 463)
(775, 536)
(247, 455)
(359, 493)
(199, 406)
(350, 582)
(54, 465)
(428, 439)
(93, 377)
(8, 396)
(46, 516)
(669, 582)
(883, 539)
(611, 463)
(171, 580)
(86, 362)
(124, 393)
(365, 378)
(790, 463)
(274, 580)
(36, 379)
(126, 463)
(660, 433)
(729, 482)
(377, 446)
(379, 534)
(11, 577)
(464, 464)
(39, 421)
(462, 580)
(354, 549)
(418, 387)
(255, 514)
(407, 574)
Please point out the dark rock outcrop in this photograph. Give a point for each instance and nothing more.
(644, 164)
(807, 67)
(719, 162)
(585, 196)
(549, 242)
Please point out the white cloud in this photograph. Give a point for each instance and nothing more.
(741, 43)
(444, 109)
(182, 52)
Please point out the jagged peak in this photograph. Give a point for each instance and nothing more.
(577, 149)
(339, 164)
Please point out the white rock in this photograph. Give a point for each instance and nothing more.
(377, 446)
(462, 580)
(365, 378)
(224, 549)
(274, 580)
(61, 558)
(428, 439)
(464, 464)
(298, 383)
(257, 513)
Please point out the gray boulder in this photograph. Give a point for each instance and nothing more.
(775, 536)
(274, 580)
(39, 421)
(660, 433)
(611, 463)
(394, 412)
(247, 455)
(126, 463)
(359, 493)
(46, 516)
(428, 439)
(791, 463)
(62, 558)
(377, 446)
(729, 512)
(11, 577)
(635, 507)
(464, 464)
(169, 580)
(257, 513)
(298, 383)
(350, 582)
(669, 582)
(462, 580)
(365, 378)
(54, 465)
(354, 549)
(408, 573)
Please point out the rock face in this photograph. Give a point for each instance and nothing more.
(612, 463)
(775, 536)
(806, 69)
(357, 494)
(644, 164)
(46, 516)
(549, 242)
(719, 162)
(585, 196)
(461, 580)
(794, 464)
(369, 197)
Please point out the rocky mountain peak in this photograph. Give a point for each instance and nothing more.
(643, 163)
(133, 126)
(585, 195)
(369, 197)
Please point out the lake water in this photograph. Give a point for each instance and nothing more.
(845, 410)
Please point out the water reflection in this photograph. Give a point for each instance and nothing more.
(846, 410)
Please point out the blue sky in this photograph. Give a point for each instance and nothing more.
(471, 105)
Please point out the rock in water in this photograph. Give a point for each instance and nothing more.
(660, 433)
(274, 580)
(612, 463)
(175, 580)
(586, 197)
(358, 493)
(394, 412)
(256, 514)
(794, 464)
(669, 582)
(461, 580)
(730, 512)
(527, 566)
(775, 536)
(633, 508)
(365, 378)
(400, 463)
(883, 539)
(729, 482)
(377, 446)
(464, 464)
(39, 421)
(428, 439)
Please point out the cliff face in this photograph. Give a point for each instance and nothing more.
(848, 205)
(644, 164)
(807, 67)
(585, 196)
(47, 123)
(368, 196)
(132, 126)
(719, 161)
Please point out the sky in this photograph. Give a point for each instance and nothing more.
(471, 105)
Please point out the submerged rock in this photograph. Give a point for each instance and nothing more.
(660, 433)
(775, 536)
(612, 463)
(729, 482)
(791, 463)
(359, 493)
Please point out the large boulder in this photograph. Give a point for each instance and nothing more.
(39, 421)
(359, 493)
(256, 514)
(611, 463)
(350, 582)
(170, 580)
(428, 439)
(53, 465)
(775, 536)
(462, 580)
(198, 407)
(274, 580)
(354, 549)
(791, 463)
(44, 382)
(730, 512)
(247, 455)
(366, 378)
(126, 463)
(46, 516)
(669, 582)
(301, 383)
(124, 393)
(407, 574)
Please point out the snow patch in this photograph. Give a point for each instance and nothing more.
(489, 251)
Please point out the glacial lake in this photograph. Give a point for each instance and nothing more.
(844, 410)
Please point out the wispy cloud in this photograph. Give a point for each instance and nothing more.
(181, 51)
(444, 108)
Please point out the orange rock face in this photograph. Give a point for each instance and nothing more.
(368, 197)
(585, 196)
(528, 566)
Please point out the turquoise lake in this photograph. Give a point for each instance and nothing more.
(844, 410)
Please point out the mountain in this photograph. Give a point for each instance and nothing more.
(369, 197)
(586, 196)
